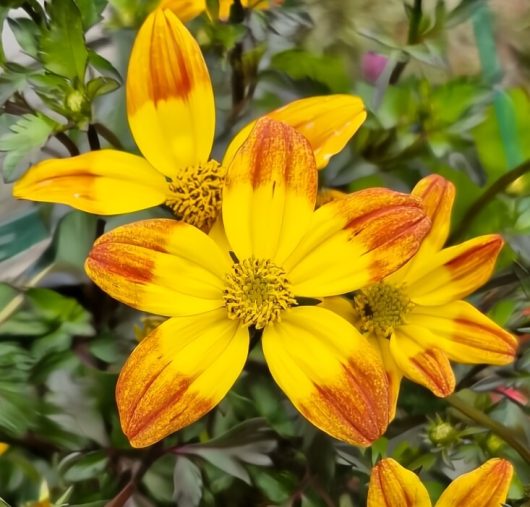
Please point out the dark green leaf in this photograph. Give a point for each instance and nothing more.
(26, 32)
(91, 11)
(187, 481)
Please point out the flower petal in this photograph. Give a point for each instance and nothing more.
(169, 95)
(185, 10)
(424, 365)
(270, 192)
(159, 266)
(391, 485)
(328, 122)
(355, 241)
(104, 182)
(454, 272)
(329, 372)
(438, 195)
(486, 486)
(178, 373)
(464, 333)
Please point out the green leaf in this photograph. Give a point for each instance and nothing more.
(187, 481)
(26, 32)
(12, 80)
(27, 136)
(78, 467)
(326, 69)
(91, 11)
(62, 45)
(101, 86)
(102, 65)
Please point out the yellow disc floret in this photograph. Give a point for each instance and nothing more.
(257, 292)
(381, 308)
(195, 194)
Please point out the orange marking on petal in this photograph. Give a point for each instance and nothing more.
(442, 382)
(475, 256)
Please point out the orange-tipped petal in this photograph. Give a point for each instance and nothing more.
(438, 195)
(160, 266)
(391, 485)
(185, 10)
(329, 372)
(355, 241)
(328, 122)
(270, 192)
(486, 486)
(454, 272)
(178, 373)
(465, 334)
(169, 95)
(429, 367)
(105, 182)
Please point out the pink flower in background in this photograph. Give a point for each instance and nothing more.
(372, 66)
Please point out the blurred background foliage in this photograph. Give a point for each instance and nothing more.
(446, 84)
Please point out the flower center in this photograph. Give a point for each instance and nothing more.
(196, 194)
(257, 292)
(382, 307)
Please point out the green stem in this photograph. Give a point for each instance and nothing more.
(497, 187)
(487, 422)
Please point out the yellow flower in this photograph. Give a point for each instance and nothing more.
(278, 250)
(416, 316)
(391, 485)
(171, 113)
(188, 9)
(3, 448)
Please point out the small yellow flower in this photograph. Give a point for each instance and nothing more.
(391, 485)
(171, 114)
(416, 316)
(218, 292)
(3, 448)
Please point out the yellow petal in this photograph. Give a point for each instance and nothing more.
(160, 266)
(355, 241)
(486, 486)
(3, 448)
(328, 122)
(105, 182)
(438, 195)
(224, 9)
(178, 373)
(329, 372)
(169, 95)
(270, 192)
(454, 272)
(393, 372)
(391, 485)
(421, 364)
(465, 334)
(185, 10)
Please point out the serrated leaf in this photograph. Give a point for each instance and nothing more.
(26, 33)
(11, 82)
(102, 65)
(62, 45)
(187, 481)
(27, 136)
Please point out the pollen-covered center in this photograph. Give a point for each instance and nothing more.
(257, 292)
(381, 308)
(195, 194)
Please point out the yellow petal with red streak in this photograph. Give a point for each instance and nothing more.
(355, 241)
(329, 372)
(486, 486)
(169, 95)
(182, 370)
(270, 192)
(185, 10)
(160, 266)
(454, 272)
(391, 485)
(464, 333)
(420, 363)
(328, 122)
(105, 182)
(438, 195)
